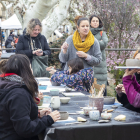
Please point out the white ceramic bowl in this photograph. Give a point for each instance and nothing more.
(87, 110)
(132, 62)
(64, 100)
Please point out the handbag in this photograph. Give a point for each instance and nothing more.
(39, 65)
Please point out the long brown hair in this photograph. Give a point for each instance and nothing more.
(20, 65)
(76, 64)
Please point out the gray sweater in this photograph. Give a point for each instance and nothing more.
(94, 52)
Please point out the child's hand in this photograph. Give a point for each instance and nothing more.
(52, 71)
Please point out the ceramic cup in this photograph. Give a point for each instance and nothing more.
(54, 92)
(55, 102)
(94, 115)
(63, 115)
(96, 102)
(106, 116)
(87, 110)
(47, 99)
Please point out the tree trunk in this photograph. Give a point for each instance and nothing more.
(55, 17)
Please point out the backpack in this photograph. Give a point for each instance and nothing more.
(101, 33)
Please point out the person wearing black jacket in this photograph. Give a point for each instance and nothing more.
(19, 115)
(32, 37)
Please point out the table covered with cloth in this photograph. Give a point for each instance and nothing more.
(90, 130)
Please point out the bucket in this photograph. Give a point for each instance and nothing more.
(96, 102)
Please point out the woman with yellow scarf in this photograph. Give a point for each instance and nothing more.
(81, 44)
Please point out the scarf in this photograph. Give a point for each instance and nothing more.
(83, 46)
(12, 77)
(96, 30)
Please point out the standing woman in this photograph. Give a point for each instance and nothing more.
(32, 37)
(100, 71)
(81, 44)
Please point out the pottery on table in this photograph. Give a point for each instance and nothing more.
(67, 89)
(55, 84)
(46, 99)
(96, 102)
(40, 103)
(108, 100)
(64, 100)
(132, 62)
(95, 114)
(55, 102)
(54, 92)
(87, 110)
(106, 116)
(64, 115)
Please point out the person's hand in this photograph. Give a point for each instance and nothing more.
(120, 90)
(130, 72)
(50, 68)
(81, 54)
(52, 71)
(39, 52)
(55, 115)
(65, 47)
(45, 112)
(40, 95)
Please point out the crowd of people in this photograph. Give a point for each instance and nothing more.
(83, 54)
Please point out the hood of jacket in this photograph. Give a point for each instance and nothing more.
(96, 30)
(8, 84)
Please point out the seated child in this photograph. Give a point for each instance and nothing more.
(76, 77)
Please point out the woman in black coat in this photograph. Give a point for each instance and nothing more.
(32, 37)
(19, 117)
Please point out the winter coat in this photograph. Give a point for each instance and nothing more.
(80, 81)
(100, 71)
(8, 43)
(19, 113)
(24, 45)
(94, 53)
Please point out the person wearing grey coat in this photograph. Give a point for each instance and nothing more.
(100, 71)
(94, 52)
(92, 56)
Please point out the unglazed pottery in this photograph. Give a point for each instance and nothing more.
(63, 115)
(132, 62)
(96, 102)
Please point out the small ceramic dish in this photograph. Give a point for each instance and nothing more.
(108, 100)
(67, 89)
(64, 100)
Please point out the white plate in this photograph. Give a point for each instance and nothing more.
(127, 67)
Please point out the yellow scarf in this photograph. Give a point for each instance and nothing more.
(83, 46)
